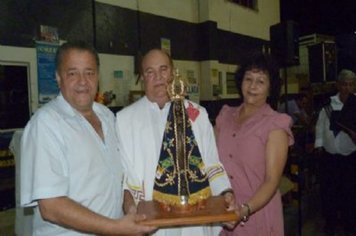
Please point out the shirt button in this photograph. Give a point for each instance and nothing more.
(230, 155)
(234, 135)
(231, 177)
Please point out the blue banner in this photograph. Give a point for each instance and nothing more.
(47, 84)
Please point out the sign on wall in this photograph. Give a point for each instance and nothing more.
(166, 45)
(47, 84)
(193, 87)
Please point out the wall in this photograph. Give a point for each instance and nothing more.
(235, 18)
(232, 18)
(185, 10)
(206, 36)
(228, 15)
(120, 86)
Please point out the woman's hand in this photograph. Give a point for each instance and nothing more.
(230, 202)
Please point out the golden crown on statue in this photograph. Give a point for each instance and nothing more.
(176, 88)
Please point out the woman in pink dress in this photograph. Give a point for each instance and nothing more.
(253, 142)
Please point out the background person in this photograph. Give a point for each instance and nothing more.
(253, 144)
(337, 152)
(70, 164)
(296, 108)
(141, 128)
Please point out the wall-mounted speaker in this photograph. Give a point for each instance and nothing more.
(284, 38)
(322, 62)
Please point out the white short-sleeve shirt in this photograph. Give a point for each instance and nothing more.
(324, 137)
(62, 155)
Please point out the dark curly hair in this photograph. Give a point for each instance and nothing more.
(265, 63)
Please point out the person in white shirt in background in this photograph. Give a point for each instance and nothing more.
(337, 152)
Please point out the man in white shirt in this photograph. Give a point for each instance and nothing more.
(140, 128)
(71, 171)
(338, 159)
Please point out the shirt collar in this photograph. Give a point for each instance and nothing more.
(67, 110)
(335, 100)
(154, 105)
(263, 111)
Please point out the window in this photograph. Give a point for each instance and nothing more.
(246, 3)
(231, 83)
(14, 95)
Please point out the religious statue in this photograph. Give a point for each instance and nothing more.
(181, 184)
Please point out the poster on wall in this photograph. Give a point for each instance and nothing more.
(166, 45)
(49, 34)
(47, 84)
(193, 87)
(193, 92)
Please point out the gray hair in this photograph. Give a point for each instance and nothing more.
(346, 74)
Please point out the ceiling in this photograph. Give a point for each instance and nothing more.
(330, 17)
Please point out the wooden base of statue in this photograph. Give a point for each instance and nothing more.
(214, 211)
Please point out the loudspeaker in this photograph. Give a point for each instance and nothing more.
(284, 38)
(322, 62)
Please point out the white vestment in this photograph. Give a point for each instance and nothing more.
(140, 129)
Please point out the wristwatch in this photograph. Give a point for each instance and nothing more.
(229, 190)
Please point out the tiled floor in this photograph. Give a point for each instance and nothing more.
(7, 222)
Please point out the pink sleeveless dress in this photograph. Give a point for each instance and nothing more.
(242, 152)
